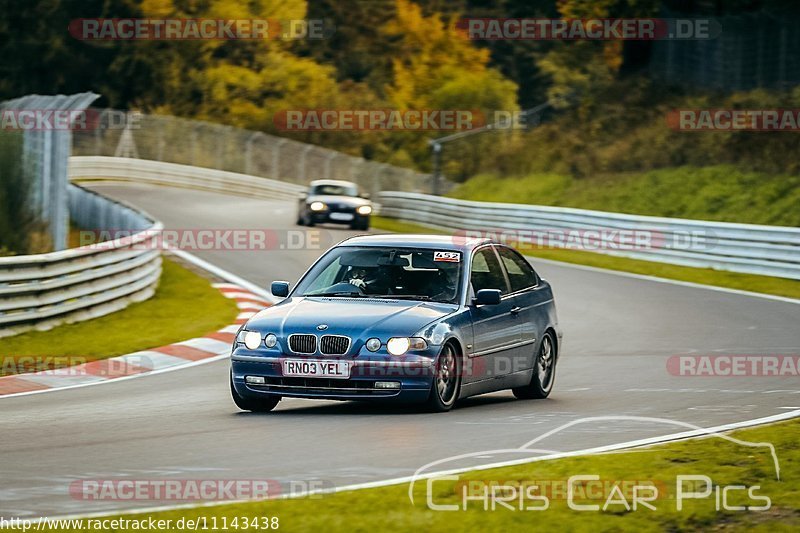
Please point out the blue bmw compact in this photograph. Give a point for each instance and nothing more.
(412, 318)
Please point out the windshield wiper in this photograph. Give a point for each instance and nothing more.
(402, 296)
(338, 293)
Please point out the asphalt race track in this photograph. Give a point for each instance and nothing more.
(619, 332)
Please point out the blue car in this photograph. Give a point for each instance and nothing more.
(411, 318)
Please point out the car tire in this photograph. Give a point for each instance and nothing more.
(308, 221)
(360, 226)
(544, 372)
(300, 221)
(257, 406)
(446, 384)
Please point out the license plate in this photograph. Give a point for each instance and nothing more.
(341, 216)
(318, 369)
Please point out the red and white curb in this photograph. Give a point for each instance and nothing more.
(216, 345)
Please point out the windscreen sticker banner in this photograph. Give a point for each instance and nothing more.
(448, 257)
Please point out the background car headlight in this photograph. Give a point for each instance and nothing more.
(316, 206)
(270, 340)
(252, 339)
(364, 210)
(373, 344)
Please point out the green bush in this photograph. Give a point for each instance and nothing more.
(20, 231)
(624, 129)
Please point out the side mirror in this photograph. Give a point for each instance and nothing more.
(487, 297)
(364, 195)
(281, 289)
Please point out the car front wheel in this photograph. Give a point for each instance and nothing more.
(446, 384)
(544, 372)
(262, 405)
(360, 226)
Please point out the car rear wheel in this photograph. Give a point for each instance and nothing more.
(544, 372)
(446, 384)
(264, 405)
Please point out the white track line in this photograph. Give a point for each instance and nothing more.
(224, 274)
(117, 380)
(684, 435)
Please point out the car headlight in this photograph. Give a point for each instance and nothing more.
(252, 339)
(316, 206)
(400, 345)
(270, 340)
(373, 344)
(364, 210)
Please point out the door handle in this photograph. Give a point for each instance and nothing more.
(515, 310)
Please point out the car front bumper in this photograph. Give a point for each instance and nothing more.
(324, 217)
(414, 380)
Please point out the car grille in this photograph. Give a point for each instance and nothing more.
(334, 344)
(322, 386)
(303, 343)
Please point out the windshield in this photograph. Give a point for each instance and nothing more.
(334, 190)
(384, 272)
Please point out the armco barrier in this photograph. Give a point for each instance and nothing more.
(159, 173)
(746, 248)
(43, 290)
(40, 291)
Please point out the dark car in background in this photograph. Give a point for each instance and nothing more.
(336, 202)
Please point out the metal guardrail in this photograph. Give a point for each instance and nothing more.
(44, 157)
(87, 168)
(745, 248)
(44, 290)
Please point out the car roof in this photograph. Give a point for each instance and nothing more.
(447, 242)
(332, 182)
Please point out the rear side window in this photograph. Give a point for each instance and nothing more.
(520, 273)
(486, 271)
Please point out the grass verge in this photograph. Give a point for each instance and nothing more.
(706, 276)
(720, 192)
(184, 306)
(725, 463)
